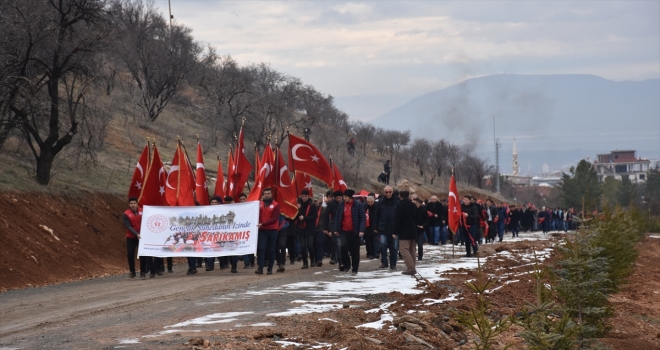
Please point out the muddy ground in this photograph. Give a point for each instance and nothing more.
(102, 309)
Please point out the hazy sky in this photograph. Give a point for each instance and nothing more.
(373, 56)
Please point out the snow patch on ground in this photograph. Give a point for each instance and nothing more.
(129, 341)
(307, 309)
(452, 296)
(262, 324)
(224, 317)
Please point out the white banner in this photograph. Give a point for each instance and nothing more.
(205, 231)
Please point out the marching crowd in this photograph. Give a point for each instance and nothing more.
(393, 225)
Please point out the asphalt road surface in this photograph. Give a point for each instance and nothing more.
(116, 312)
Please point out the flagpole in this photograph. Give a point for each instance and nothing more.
(293, 166)
(453, 253)
(178, 177)
(146, 176)
(333, 173)
(277, 169)
(189, 162)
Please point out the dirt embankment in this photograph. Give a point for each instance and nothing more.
(48, 238)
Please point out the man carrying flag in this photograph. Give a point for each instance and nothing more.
(470, 225)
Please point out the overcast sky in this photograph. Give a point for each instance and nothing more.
(373, 56)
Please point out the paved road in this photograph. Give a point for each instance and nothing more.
(116, 312)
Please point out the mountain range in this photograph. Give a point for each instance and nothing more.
(555, 119)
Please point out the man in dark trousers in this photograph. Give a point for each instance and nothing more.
(306, 226)
(269, 219)
(369, 239)
(329, 224)
(350, 224)
(469, 226)
(434, 207)
(405, 229)
(132, 221)
(491, 215)
(422, 223)
(384, 221)
(387, 170)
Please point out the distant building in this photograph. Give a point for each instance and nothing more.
(515, 178)
(621, 163)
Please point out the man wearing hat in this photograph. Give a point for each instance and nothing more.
(350, 224)
(305, 226)
(329, 225)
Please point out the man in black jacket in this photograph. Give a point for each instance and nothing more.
(370, 212)
(329, 224)
(491, 214)
(469, 226)
(384, 221)
(350, 223)
(405, 229)
(306, 226)
(422, 223)
(435, 220)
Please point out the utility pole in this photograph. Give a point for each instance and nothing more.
(169, 4)
(498, 145)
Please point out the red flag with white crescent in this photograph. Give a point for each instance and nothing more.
(454, 207)
(285, 193)
(264, 176)
(154, 183)
(338, 183)
(177, 186)
(201, 189)
(306, 158)
(137, 182)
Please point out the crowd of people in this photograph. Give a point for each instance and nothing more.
(394, 225)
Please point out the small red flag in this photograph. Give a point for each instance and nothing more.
(201, 188)
(454, 207)
(338, 183)
(139, 175)
(265, 175)
(285, 193)
(243, 168)
(220, 182)
(154, 184)
(177, 186)
(229, 186)
(304, 157)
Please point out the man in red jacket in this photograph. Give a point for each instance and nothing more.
(269, 220)
(133, 220)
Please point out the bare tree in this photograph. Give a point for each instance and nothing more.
(364, 132)
(420, 152)
(454, 156)
(439, 158)
(478, 167)
(49, 50)
(157, 56)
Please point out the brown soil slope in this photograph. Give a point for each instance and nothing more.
(87, 238)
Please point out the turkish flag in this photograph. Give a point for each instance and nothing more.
(243, 168)
(285, 193)
(303, 182)
(265, 175)
(454, 207)
(201, 189)
(177, 186)
(229, 186)
(220, 182)
(154, 183)
(304, 157)
(338, 183)
(139, 174)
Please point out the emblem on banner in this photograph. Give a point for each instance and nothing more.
(157, 223)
